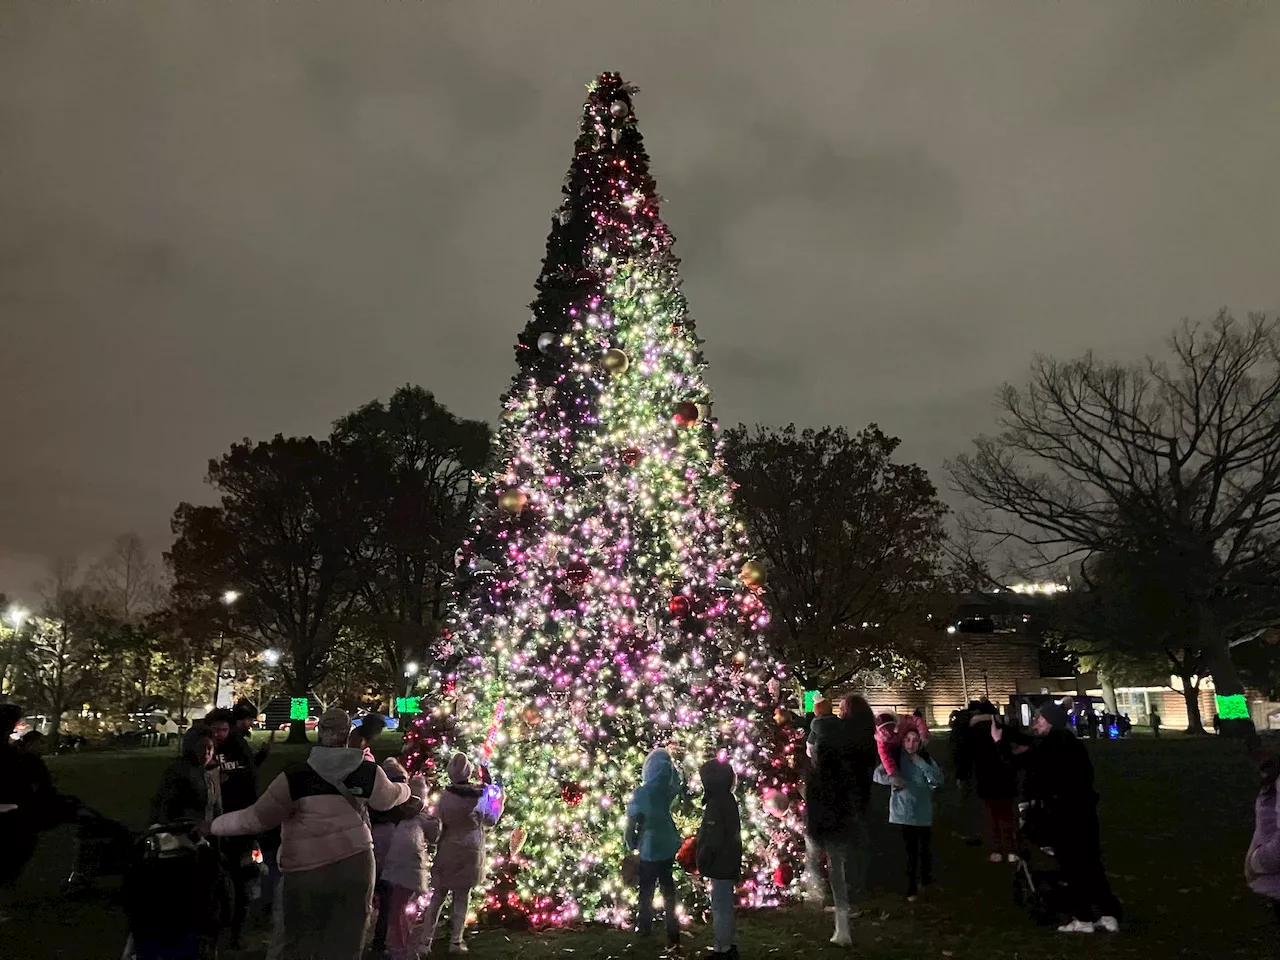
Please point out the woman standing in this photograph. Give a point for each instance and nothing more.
(831, 821)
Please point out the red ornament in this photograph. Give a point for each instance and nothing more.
(686, 414)
(783, 875)
(572, 794)
(577, 572)
(631, 456)
(680, 606)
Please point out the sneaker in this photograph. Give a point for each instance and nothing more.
(1013, 858)
(1076, 926)
(1109, 924)
(458, 947)
(996, 858)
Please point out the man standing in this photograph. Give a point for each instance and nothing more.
(1156, 722)
(28, 804)
(1059, 782)
(239, 775)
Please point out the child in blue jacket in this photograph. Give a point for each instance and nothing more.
(911, 807)
(652, 831)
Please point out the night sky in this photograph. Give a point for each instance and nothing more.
(223, 220)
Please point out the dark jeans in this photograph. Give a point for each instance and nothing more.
(657, 873)
(919, 844)
(381, 893)
(1078, 847)
(1001, 831)
(233, 851)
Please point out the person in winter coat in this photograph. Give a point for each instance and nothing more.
(459, 823)
(719, 846)
(190, 787)
(326, 850)
(831, 822)
(1262, 863)
(911, 807)
(1059, 783)
(404, 873)
(28, 804)
(995, 781)
(652, 832)
(382, 824)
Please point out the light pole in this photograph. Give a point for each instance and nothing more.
(410, 671)
(954, 631)
(229, 598)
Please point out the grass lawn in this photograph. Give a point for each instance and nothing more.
(1176, 818)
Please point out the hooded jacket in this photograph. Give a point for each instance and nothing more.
(1262, 864)
(239, 765)
(650, 827)
(318, 825)
(404, 862)
(831, 805)
(459, 825)
(185, 788)
(912, 804)
(720, 835)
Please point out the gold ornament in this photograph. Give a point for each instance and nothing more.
(754, 573)
(615, 361)
(513, 500)
(516, 842)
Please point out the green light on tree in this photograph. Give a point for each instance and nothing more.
(1233, 707)
(298, 708)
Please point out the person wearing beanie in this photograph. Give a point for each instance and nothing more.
(1059, 784)
(462, 815)
(719, 846)
(404, 870)
(326, 850)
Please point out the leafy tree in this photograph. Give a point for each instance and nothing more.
(1175, 461)
(285, 536)
(854, 542)
(418, 465)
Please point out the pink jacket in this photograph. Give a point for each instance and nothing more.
(1262, 864)
(318, 825)
(460, 860)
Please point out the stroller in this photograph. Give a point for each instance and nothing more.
(1037, 881)
(103, 848)
(177, 895)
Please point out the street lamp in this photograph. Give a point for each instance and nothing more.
(953, 630)
(229, 597)
(272, 657)
(15, 615)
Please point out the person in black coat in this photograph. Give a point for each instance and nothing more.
(1059, 782)
(719, 846)
(995, 781)
(189, 787)
(832, 819)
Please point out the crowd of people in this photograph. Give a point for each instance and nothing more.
(348, 840)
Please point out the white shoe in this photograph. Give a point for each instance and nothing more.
(1109, 924)
(1013, 858)
(458, 947)
(1076, 926)
(842, 937)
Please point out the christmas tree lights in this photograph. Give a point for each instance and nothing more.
(606, 600)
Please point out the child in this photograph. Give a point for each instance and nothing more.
(382, 826)
(720, 850)
(652, 831)
(890, 731)
(460, 821)
(911, 807)
(1262, 863)
(404, 874)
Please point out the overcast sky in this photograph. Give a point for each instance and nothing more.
(227, 219)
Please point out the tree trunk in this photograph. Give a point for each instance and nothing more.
(1195, 722)
(1226, 681)
(1108, 695)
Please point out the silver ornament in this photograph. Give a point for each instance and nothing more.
(618, 109)
(615, 135)
(548, 394)
(545, 340)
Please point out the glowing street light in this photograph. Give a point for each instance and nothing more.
(15, 615)
(411, 668)
(272, 657)
(230, 597)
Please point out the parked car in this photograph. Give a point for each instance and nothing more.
(312, 723)
(26, 725)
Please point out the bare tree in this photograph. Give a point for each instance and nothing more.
(1173, 461)
(127, 580)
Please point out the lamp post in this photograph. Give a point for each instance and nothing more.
(954, 631)
(229, 598)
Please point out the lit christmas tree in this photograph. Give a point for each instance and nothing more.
(607, 601)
